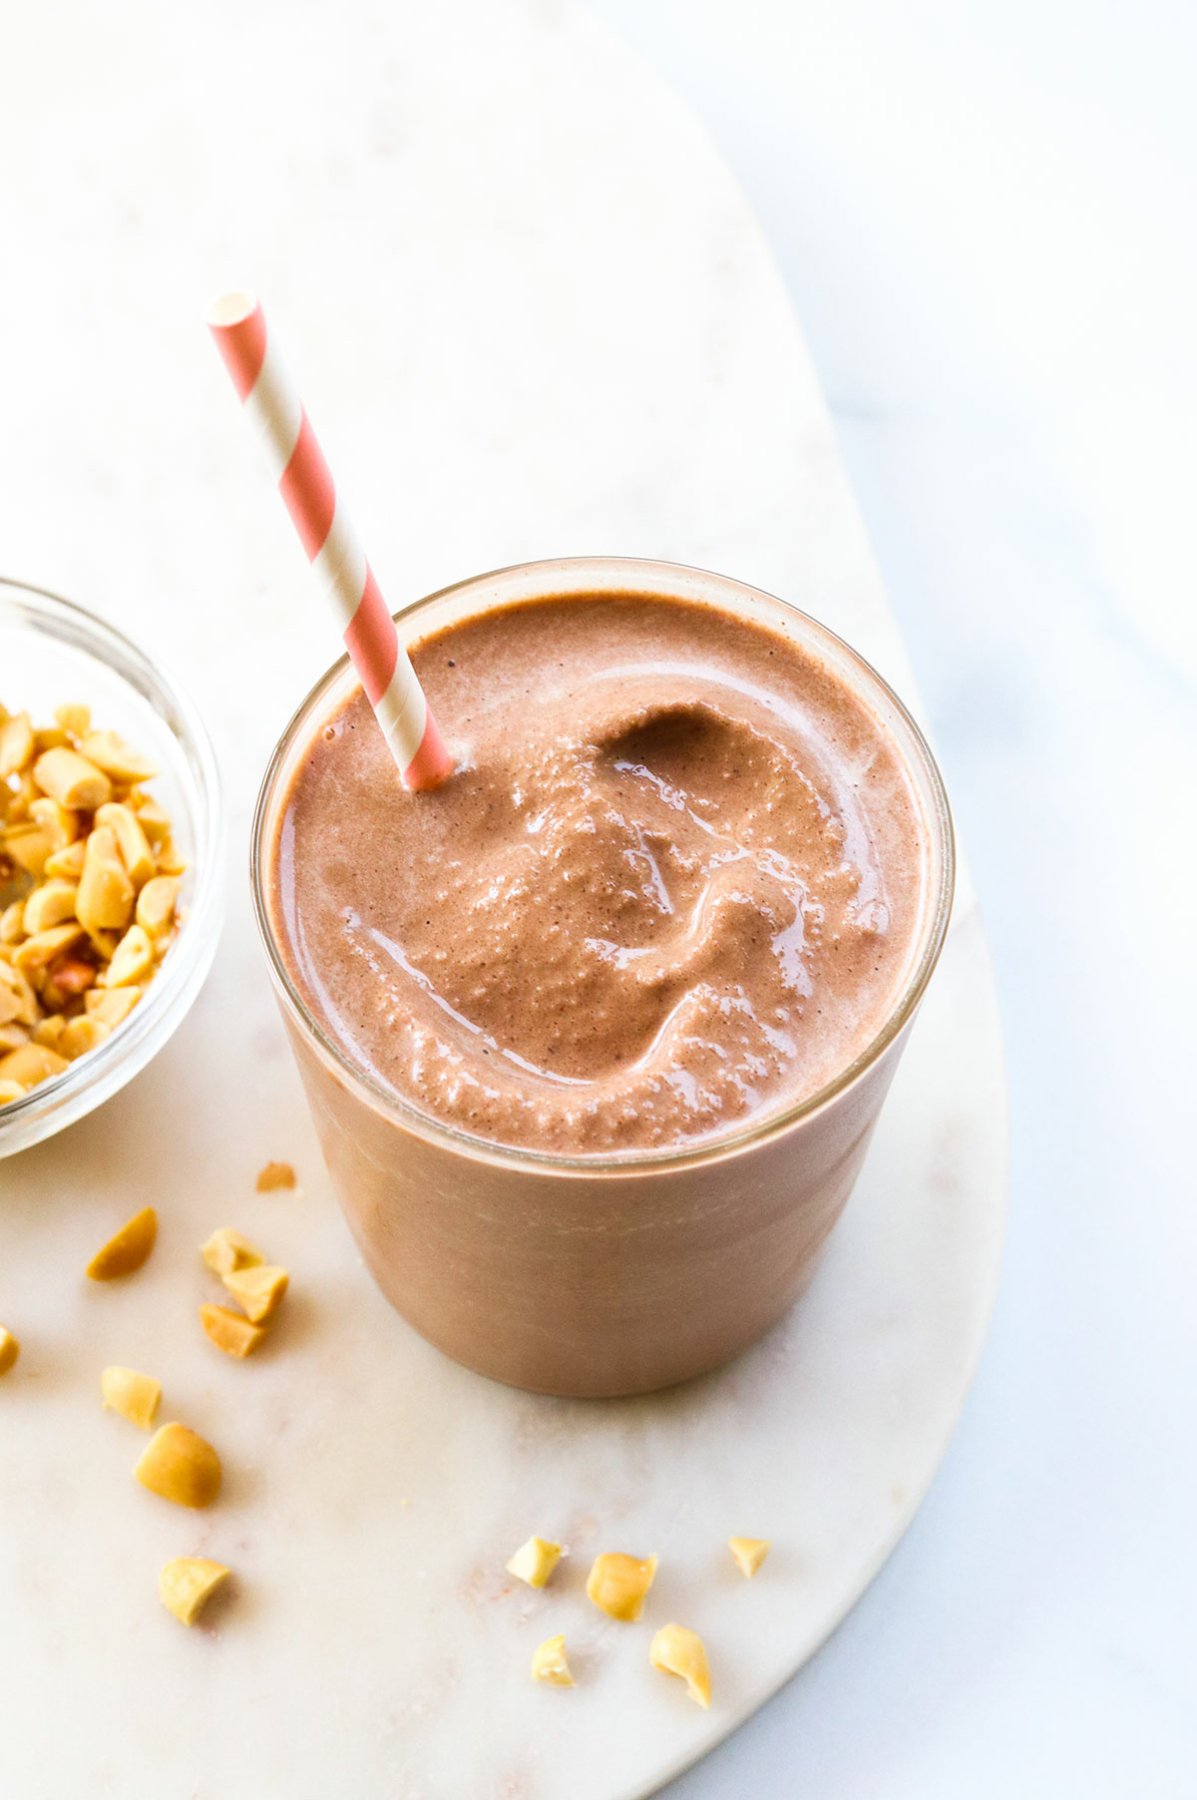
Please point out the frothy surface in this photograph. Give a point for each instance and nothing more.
(675, 887)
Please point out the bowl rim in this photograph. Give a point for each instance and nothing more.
(169, 995)
(392, 1106)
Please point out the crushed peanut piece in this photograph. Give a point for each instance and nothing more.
(11, 1090)
(618, 1585)
(180, 1466)
(186, 1585)
(10, 1349)
(230, 1331)
(31, 1063)
(259, 1290)
(78, 1036)
(132, 959)
(275, 1175)
(535, 1561)
(676, 1650)
(96, 880)
(127, 1251)
(133, 1395)
(113, 755)
(549, 1663)
(749, 1553)
(227, 1250)
(74, 781)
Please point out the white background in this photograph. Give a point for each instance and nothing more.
(985, 213)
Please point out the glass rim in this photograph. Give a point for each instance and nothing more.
(616, 574)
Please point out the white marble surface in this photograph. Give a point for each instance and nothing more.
(983, 211)
(532, 315)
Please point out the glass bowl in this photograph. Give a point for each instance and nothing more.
(51, 652)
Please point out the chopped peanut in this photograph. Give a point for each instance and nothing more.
(11, 1090)
(50, 904)
(110, 1007)
(275, 1175)
(618, 1585)
(35, 955)
(74, 719)
(535, 1561)
(10, 1349)
(676, 1650)
(186, 1585)
(134, 1396)
(106, 896)
(130, 839)
(150, 817)
(62, 826)
(749, 1553)
(48, 1031)
(96, 877)
(156, 904)
(16, 745)
(180, 1466)
(125, 1253)
(75, 781)
(113, 755)
(30, 1064)
(28, 846)
(549, 1663)
(258, 1290)
(132, 959)
(78, 1036)
(230, 1331)
(227, 1250)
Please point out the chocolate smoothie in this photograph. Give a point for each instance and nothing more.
(595, 1036)
(673, 888)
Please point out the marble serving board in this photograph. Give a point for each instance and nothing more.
(532, 316)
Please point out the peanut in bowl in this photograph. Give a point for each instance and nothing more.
(54, 655)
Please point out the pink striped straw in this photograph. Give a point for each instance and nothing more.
(268, 394)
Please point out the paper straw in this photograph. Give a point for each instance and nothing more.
(269, 397)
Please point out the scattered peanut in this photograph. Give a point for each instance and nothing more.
(618, 1585)
(10, 1349)
(549, 1663)
(749, 1553)
(133, 1395)
(227, 1250)
(258, 1290)
(535, 1561)
(96, 877)
(186, 1585)
(128, 1250)
(230, 1331)
(180, 1466)
(275, 1175)
(676, 1650)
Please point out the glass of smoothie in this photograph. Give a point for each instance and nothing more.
(596, 1034)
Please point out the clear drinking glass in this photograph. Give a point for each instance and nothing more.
(599, 1274)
